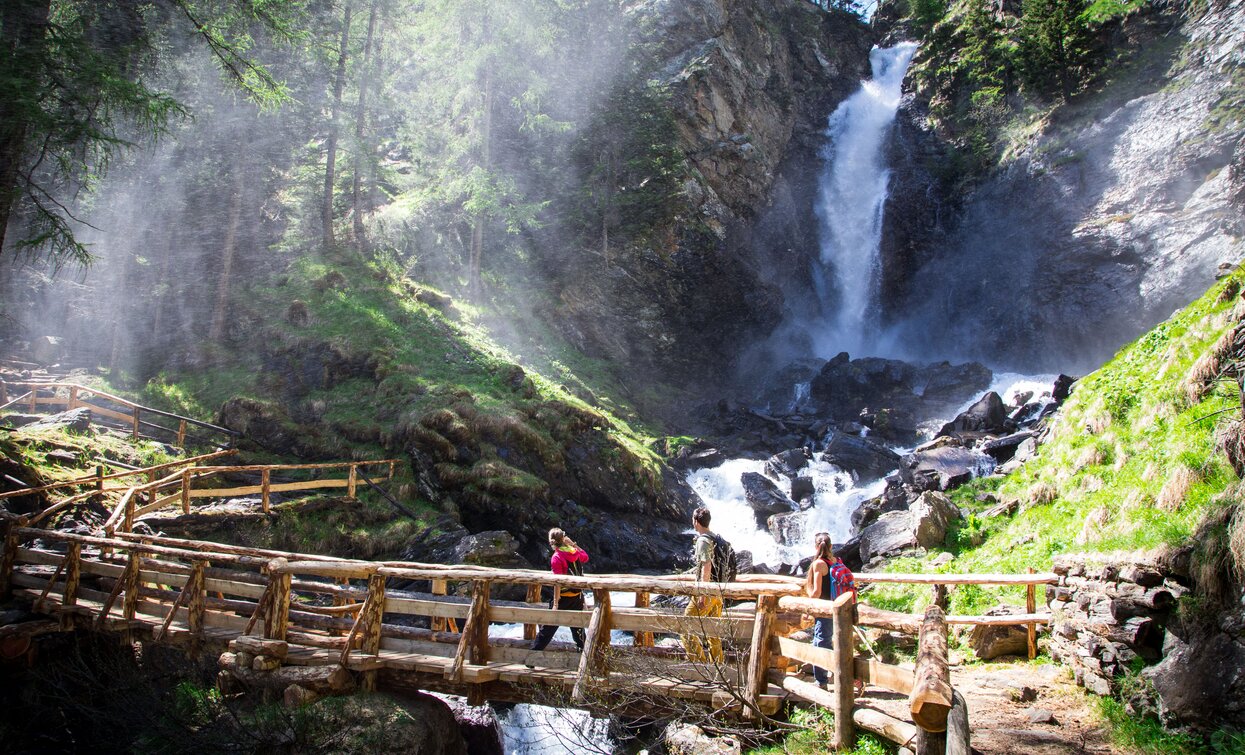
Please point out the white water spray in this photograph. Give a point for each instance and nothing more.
(853, 191)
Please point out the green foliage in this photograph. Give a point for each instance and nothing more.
(1055, 46)
(1131, 462)
(78, 89)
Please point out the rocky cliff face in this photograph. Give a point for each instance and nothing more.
(1117, 211)
(750, 86)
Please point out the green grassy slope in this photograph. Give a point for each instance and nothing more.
(1131, 462)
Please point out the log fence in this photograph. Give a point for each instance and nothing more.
(119, 412)
(181, 486)
(312, 625)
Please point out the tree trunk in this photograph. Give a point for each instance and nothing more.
(477, 229)
(330, 144)
(23, 27)
(228, 250)
(362, 147)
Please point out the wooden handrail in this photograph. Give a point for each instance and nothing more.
(129, 404)
(118, 475)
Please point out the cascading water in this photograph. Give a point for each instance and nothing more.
(852, 196)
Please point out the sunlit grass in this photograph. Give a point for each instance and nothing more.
(1127, 432)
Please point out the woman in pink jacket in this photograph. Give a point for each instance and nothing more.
(566, 559)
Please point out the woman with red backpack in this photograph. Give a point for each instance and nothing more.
(828, 578)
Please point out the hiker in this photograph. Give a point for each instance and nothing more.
(566, 559)
(713, 557)
(828, 578)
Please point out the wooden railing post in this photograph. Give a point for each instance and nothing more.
(643, 639)
(758, 655)
(844, 737)
(372, 616)
(136, 422)
(34, 399)
(99, 482)
(391, 465)
(533, 596)
(473, 643)
(186, 491)
(931, 698)
(1031, 608)
(265, 484)
(73, 574)
(73, 397)
(4, 393)
(439, 587)
(8, 559)
(181, 434)
(197, 606)
(278, 617)
(352, 481)
(592, 660)
(129, 606)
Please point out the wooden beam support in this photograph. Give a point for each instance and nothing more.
(11, 544)
(1031, 607)
(467, 641)
(758, 655)
(73, 575)
(533, 596)
(842, 639)
(930, 700)
(197, 604)
(372, 617)
(265, 489)
(185, 492)
(277, 619)
(643, 639)
(592, 661)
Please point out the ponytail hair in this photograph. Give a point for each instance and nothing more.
(556, 536)
(825, 549)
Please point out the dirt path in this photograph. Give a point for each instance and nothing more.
(1001, 699)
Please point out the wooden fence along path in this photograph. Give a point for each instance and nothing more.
(176, 483)
(122, 412)
(311, 625)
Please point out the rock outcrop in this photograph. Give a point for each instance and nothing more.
(1095, 229)
(750, 87)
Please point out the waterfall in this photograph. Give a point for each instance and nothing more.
(852, 194)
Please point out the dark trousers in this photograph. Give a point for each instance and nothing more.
(568, 603)
(823, 635)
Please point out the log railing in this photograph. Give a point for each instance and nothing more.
(180, 487)
(123, 412)
(312, 624)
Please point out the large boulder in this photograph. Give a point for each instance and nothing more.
(923, 525)
(945, 467)
(892, 499)
(788, 463)
(990, 642)
(75, 421)
(1003, 449)
(888, 394)
(787, 528)
(988, 415)
(1200, 680)
(496, 548)
(764, 497)
(868, 459)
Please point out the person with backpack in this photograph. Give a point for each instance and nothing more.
(828, 578)
(567, 558)
(715, 563)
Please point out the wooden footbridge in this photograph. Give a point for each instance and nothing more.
(305, 625)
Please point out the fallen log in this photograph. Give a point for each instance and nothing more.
(900, 732)
(333, 679)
